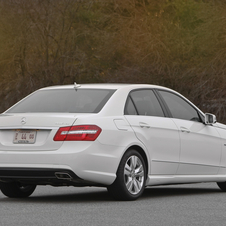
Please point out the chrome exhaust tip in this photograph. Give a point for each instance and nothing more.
(63, 176)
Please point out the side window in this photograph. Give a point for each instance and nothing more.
(179, 108)
(145, 103)
(130, 108)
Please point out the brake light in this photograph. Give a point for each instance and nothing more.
(78, 133)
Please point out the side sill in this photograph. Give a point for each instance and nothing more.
(182, 179)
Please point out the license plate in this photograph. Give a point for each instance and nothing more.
(24, 137)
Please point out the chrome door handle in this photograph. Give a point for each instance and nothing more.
(184, 130)
(144, 125)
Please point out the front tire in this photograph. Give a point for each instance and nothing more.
(16, 190)
(131, 177)
(222, 186)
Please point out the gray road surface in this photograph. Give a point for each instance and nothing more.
(197, 204)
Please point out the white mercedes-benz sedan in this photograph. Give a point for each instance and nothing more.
(119, 136)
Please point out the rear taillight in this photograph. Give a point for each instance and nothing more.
(78, 133)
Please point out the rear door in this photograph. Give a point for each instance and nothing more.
(158, 133)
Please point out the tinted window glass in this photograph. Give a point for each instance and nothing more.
(64, 100)
(146, 103)
(179, 108)
(130, 108)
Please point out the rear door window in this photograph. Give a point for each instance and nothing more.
(143, 102)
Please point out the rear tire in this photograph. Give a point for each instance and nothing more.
(131, 177)
(222, 185)
(16, 190)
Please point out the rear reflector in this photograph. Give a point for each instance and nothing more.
(78, 133)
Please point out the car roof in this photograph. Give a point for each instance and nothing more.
(105, 86)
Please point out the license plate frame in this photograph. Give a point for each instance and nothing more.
(24, 136)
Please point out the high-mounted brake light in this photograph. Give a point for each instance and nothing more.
(78, 133)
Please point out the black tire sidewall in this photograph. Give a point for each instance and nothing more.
(16, 190)
(222, 186)
(120, 174)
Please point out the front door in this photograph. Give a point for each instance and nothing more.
(200, 143)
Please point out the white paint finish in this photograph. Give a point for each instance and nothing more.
(121, 124)
(197, 169)
(200, 148)
(221, 129)
(163, 167)
(183, 179)
(161, 138)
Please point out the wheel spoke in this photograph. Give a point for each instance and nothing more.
(139, 172)
(127, 170)
(129, 184)
(137, 186)
(133, 162)
(134, 175)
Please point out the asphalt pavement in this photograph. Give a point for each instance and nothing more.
(195, 204)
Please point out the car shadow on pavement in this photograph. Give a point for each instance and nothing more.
(101, 195)
(64, 197)
(172, 191)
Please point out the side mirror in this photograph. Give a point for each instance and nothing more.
(210, 119)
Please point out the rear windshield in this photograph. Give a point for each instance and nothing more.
(64, 101)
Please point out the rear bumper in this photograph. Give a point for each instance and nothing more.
(42, 176)
(93, 162)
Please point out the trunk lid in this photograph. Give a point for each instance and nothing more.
(34, 131)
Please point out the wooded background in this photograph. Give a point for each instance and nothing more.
(180, 44)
